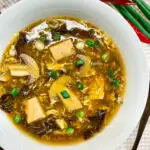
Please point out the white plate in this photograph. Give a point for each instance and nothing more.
(26, 12)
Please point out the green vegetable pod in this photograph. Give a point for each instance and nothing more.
(146, 5)
(127, 15)
(143, 7)
(143, 22)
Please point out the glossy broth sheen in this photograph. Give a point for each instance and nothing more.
(62, 80)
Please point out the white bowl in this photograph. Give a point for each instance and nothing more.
(26, 12)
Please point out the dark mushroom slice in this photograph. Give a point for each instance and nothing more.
(6, 103)
(87, 134)
(97, 120)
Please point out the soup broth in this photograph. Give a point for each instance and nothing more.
(62, 80)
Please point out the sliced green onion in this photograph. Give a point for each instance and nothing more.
(80, 63)
(69, 131)
(80, 114)
(54, 75)
(15, 92)
(111, 74)
(90, 43)
(43, 38)
(56, 36)
(80, 85)
(116, 83)
(17, 119)
(65, 94)
(96, 44)
(93, 44)
(105, 57)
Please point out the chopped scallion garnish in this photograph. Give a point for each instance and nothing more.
(80, 85)
(80, 114)
(54, 74)
(43, 38)
(56, 36)
(116, 83)
(93, 44)
(111, 77)
(80, 63)
(69, 131)
(15, 92)
(105, 57)
(17, 119)
(65, 94)
(111, 74)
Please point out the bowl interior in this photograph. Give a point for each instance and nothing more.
(24, 13)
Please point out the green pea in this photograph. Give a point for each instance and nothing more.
(80, 114)
(17, 119)
(69, 131)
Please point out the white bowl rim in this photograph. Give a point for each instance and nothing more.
(144, 92)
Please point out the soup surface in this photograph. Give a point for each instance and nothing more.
(61, 80)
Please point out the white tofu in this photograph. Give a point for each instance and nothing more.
(33, 110)
(62, 49)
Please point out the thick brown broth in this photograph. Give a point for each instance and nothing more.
(62, 80)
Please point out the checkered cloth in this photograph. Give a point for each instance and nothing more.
(145, 141)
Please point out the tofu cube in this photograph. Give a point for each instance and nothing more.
(62, 49)
(33, 110)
